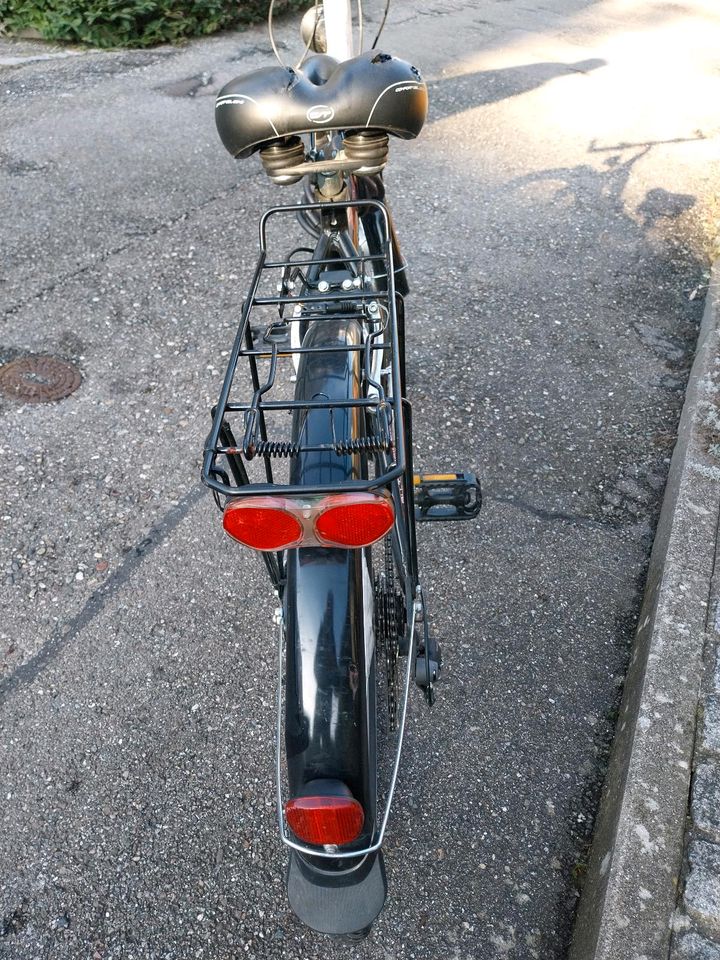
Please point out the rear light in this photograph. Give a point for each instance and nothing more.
(262, 523)
(344, 520)
(325, 820)
(354, 520)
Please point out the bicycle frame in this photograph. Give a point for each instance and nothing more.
(339, 323)
(338, 28)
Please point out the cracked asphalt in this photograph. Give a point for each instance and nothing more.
(552, 213)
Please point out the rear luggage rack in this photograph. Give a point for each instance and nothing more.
(252, 419)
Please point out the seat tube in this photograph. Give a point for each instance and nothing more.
(338, 28)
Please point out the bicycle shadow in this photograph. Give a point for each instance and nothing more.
(650, 311)
(458, 93)
(603, 190)
(585, 246)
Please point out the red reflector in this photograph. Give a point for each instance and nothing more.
(323, 820)
(262, 524)
(351, 520)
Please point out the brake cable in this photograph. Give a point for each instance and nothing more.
(382, 25)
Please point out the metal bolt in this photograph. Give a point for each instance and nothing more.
(347, 284)
(323, 286)
(373, 307)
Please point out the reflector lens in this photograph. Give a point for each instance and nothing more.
(325, 820)
(262, 525)
(348, 522)
(344, 520)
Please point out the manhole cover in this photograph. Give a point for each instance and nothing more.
(39, 379)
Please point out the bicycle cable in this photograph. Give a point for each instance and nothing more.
(272, 37)
(382, 25)
(274, 45)
(312, 35)
(301, 61)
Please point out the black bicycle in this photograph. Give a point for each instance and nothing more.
(310, 457)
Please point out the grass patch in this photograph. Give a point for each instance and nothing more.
(713, 226)
(130, 23)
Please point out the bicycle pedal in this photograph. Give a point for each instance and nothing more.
(447, 496)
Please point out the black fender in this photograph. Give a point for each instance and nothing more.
(373, 221)
(330, 699)
(330, 689)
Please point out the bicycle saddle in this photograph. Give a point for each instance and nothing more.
(372, 91)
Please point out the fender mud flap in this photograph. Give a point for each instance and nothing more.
(337, 903)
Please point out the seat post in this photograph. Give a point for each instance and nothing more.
(338, 28)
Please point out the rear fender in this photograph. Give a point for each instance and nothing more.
(330, 697)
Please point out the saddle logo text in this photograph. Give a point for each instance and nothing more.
(320, 114)
(231, 100)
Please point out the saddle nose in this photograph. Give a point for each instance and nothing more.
(319, 68)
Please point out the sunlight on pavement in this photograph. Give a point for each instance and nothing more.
(622, 81)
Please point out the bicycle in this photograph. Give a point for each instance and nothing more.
(320, 480)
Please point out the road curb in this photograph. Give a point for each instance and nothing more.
(630, 892)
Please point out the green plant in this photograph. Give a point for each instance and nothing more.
(129, 23)
(713, 227)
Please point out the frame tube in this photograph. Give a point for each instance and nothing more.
(338, 28)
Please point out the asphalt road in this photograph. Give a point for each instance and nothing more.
(552, 214)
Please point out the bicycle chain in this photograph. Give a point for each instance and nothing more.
(389, 621)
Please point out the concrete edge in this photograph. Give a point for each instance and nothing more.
(629, 896)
